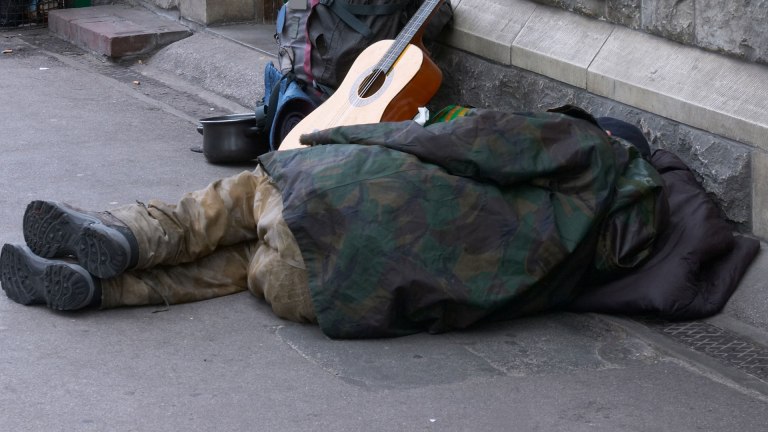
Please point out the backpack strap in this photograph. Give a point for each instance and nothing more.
(324, 89)
(274, 95)
(346, 12)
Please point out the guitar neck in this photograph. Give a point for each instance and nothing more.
(410, 30)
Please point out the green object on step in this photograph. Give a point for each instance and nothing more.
(81, 3)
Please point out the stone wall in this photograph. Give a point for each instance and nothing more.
(738, 28)
(206, 12)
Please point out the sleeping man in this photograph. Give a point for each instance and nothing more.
(373, 230)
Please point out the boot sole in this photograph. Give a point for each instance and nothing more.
(29, 279)
(102, 253)
(53, 230)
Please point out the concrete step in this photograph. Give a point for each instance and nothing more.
(209, 61)
(115, 30)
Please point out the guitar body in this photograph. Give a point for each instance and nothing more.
(367, 95)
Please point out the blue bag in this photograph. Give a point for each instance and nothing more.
(286, 102)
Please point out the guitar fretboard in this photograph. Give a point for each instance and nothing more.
(407, 34)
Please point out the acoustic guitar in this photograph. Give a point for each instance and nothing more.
(388, 81)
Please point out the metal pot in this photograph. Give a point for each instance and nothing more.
(234, 138)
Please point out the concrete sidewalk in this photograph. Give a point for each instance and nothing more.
(96, 139)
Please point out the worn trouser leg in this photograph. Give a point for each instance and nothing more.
(221, 273)
(277, 272)
(222, 214)
(216, 241)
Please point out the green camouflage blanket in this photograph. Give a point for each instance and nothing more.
(405, 228)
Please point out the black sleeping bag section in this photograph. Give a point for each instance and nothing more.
(697, 263)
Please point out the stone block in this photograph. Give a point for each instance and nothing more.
(760, 194)
(723, 168)
(701, 89)
(488, 27)
(166, 4)
(194, 10)
(559, 44)
(221, 11)
(225, 11)
(129, 45)
(737, 27)
(624, 12)
(469, 80)
(671, 19)
(114, 37)
(115, 30)
(61, 22)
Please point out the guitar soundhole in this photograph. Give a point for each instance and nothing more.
(371, 84)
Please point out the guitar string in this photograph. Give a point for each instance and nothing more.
(396, 50)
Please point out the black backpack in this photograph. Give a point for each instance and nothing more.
(318, 40)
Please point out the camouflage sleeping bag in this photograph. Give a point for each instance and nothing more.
(405, 228)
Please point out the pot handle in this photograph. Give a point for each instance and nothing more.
(200, 129)
(252, 132)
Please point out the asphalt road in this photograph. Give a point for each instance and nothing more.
(81, 130)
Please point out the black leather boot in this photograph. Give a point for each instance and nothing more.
(100, 242)
(29, 279)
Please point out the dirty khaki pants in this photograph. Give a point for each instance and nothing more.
(216, 241)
